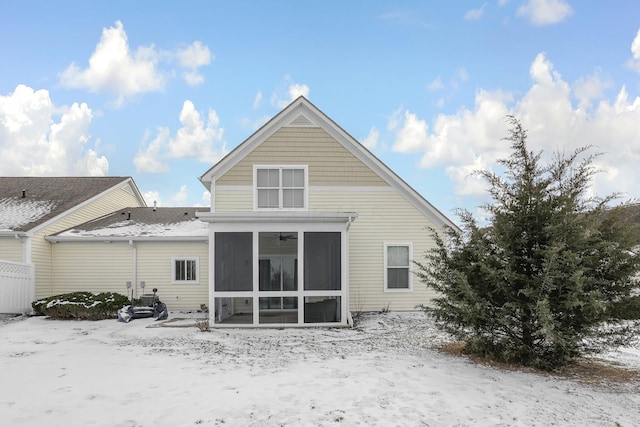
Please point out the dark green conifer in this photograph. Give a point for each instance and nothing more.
(537, 285)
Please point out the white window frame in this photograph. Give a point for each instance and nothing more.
(174, 281)
(305, 202)
(409, 288)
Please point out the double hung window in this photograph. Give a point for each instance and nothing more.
(397, 263)
(280, 187)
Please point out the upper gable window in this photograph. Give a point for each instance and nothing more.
(280, 187)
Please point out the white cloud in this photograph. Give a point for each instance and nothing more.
(467, 182)
(292, 91)
(176, 200)
(191, 58)
(472, 138)
(545, 12)
(194, 55)
(634, 62)
(436, 84)
(196, 139)
(206, 198)
(457, 78)
(394, 120)
(475, 14)
(151, 197)
(180, 198)
(41, 139)
(296, 90)
(589, 88)
(411, 133)
(371, 141)
(462, 75)
(152, 159)
(117, 70)
(257, 102)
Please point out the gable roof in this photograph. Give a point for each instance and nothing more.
(29, 202)
(301, 112)
(140, 224)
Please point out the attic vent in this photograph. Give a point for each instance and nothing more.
(301, 121)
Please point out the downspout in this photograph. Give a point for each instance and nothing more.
(23, 255)
(346, 266)
(134, 281)
(23, 239)
(25, 246)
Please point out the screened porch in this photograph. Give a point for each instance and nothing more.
(280, 274)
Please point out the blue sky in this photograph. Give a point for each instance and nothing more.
(161, 90)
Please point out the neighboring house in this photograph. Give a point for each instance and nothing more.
(32, 208)
(163, 248)
(308, 225)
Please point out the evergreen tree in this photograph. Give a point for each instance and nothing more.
(537, 284)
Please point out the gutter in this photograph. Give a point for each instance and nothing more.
(110, 239)
(16, 234)
(288, 217)
(134, 270)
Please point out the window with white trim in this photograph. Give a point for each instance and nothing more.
(185, 270)
(280, 187)
(397, 266)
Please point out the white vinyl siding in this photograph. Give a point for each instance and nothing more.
(92, 267)
(11, 249)
(329, 163)
(382, 217)
(41, 256)
(155, 267)
(101, 266)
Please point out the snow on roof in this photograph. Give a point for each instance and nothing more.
(17, 212)
(29, 202)
(188, 228)
(142, 222)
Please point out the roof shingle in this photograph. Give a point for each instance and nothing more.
(27, 202)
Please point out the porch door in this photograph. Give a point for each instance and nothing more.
(279, 274)
(278, 277)
(322, 277)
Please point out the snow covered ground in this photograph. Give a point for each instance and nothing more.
(383, 373)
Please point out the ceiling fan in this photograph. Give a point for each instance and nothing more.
(285, 237)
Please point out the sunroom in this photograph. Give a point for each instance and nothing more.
(278, 268)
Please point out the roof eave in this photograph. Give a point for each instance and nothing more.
(125, 181)
(12, 233)
(278, 217)
(108, 239)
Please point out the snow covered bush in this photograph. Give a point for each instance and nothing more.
(81, 305)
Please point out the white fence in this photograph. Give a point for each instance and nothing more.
(17, 287)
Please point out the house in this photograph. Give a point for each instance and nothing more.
(307, 225)
(32, 208)
(134, 250)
